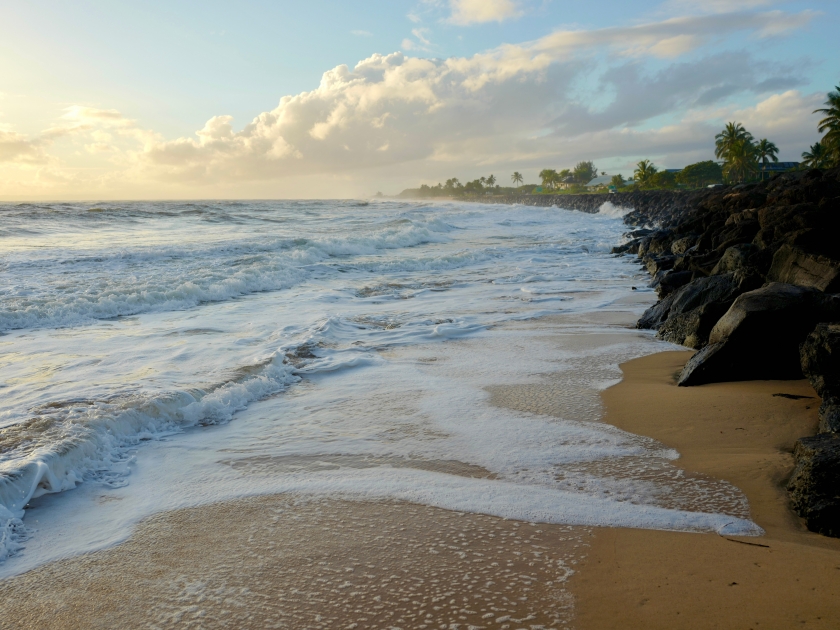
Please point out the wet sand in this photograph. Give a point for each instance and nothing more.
(288, 562)
(285, 562)
(740, 432)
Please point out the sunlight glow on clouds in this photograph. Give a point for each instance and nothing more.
(515, 104)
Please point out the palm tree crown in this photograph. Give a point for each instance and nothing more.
(548, 176)
(645, 170)
(816, 156)
(516, 178)
(830, 126)
(732, 135)
(766, 152)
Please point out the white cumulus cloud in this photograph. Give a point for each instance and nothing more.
(516, 105)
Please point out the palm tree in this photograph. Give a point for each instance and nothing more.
(765, 152)
(645, 170)
(731, 135)
(830, 126)
(548, 176)
(741, 162)
(491, 181)
(816, 157)
(516, 178)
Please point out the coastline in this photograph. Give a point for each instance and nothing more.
(739, 432)
(296, 561)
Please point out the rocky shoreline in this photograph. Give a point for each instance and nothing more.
(649, 206)
(749, 276)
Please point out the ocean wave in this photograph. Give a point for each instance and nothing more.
(106, 285)
(65, 443)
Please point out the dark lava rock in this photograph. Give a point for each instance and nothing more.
(655, 264)
(687, 315)
(759, 336)
(682, 245)
(796, 266)
(815, 484)
(692, 329)
(736, 259)
(672, 281)
(820, 360)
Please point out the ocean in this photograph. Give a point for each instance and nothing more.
(158, 355)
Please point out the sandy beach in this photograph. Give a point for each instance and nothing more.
(740, 432)
(288, 562)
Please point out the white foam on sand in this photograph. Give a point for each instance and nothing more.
(356, 363)
(416, 426)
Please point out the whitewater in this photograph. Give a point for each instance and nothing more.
(157, 355)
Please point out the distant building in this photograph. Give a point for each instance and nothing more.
(777, 167)
(567, 182)
(600, 182)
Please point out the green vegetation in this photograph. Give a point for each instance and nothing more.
(744, 159)
(481, 186)
(700, 174)
(766, 152)
(741, 157)
(585, 172)
(826, 152)
(816, 156)
(645, 170)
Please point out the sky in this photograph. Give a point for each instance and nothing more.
(275, 99)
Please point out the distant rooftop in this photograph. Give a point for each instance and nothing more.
(778, 166)
(604, 180)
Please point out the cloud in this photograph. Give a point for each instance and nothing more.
(15, 147)
(716, 6)
(423, 43)
(573, 94)
(514, 99)
(466, 12)
(675, 36)
(78, 121)
(361, 33)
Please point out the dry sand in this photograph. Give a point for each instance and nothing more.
(740, 432)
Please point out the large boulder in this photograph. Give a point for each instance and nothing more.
(820, 357)
(682, 245)
(794, 265)
(815, 484)
(673, 280)
(820, 360)
(695, 294)
(759, 336)
(698, 307)
(692, 328)
(736, 259)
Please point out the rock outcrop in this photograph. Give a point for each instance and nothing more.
(815, 481)
(750, 276)
(759, 335)
(820, 361)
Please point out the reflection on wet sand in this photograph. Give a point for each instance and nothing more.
(281, 562)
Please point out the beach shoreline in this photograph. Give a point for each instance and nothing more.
(742, 432)
(295, 561)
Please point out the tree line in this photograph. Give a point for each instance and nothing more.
(741, 158)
